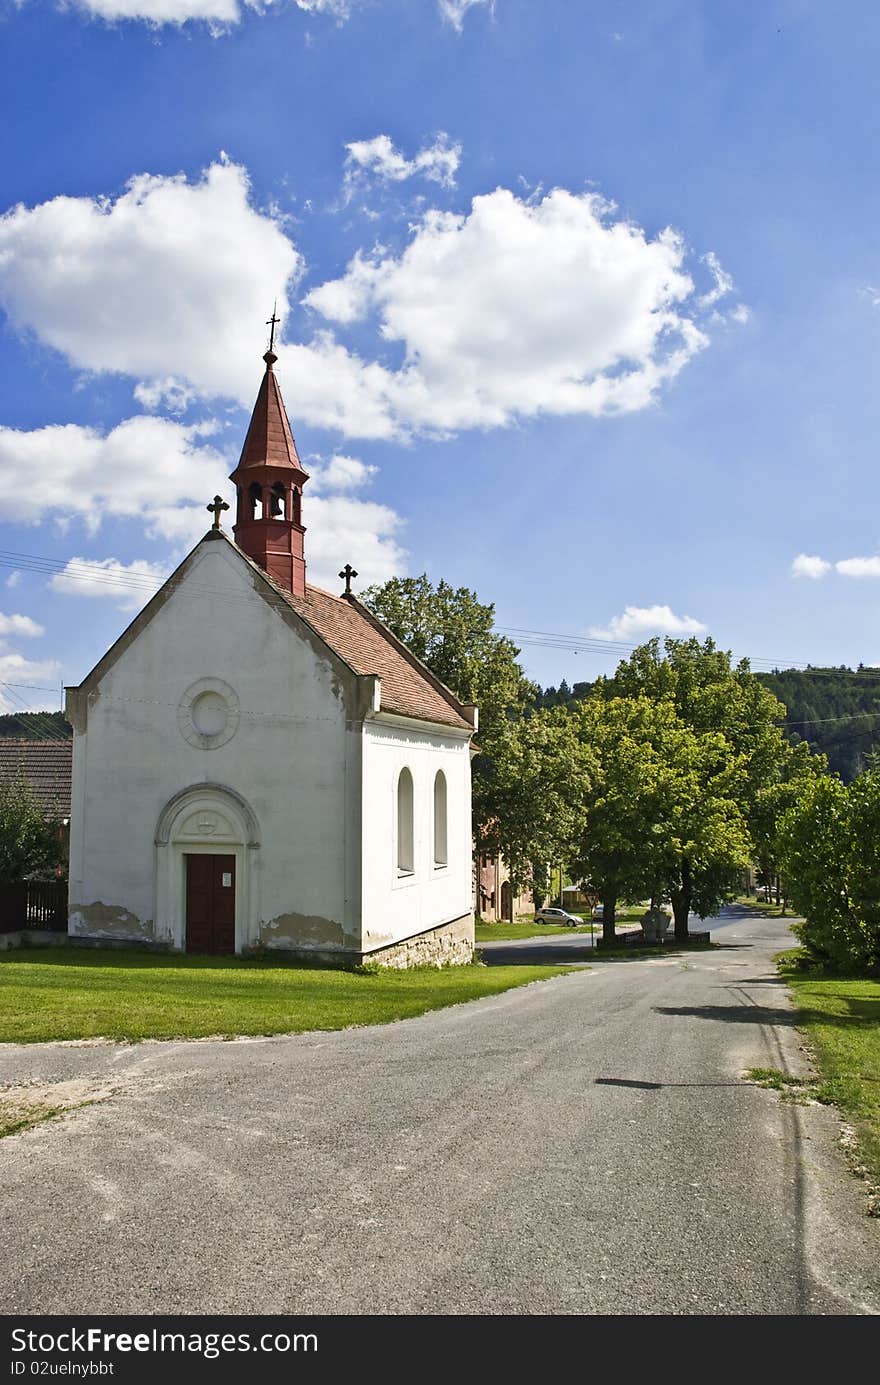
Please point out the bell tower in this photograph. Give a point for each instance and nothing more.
(269, 479)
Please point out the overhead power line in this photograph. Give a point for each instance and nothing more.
(91, 574)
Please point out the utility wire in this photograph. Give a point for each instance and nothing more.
(541, 639)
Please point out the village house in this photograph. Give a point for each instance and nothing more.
(45, 766)
(261, 764)
(495, 900)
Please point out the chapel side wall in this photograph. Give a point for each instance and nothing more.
(294, 757)
(397, 908)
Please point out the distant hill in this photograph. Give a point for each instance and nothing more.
(34, 726)
(837, 710)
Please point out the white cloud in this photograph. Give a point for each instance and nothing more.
(219, 15)
(16, 669)
(872, 294)
(145, 467)
(130, 585)
(359, 532)
(859, 567)
(14, 579)
(455, 10)
(636, 622)
(340, 530)
(20, 625)
(723, 282)
(438, 162)
(520, 308)
(166, 283)
(807, 565)
(339, 473)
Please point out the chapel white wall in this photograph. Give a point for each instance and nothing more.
(395, 907)
(295, 758)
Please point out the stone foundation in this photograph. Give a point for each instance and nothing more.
(452, 944)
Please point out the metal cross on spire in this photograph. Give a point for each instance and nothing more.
(347, 573)
(272, 322)
(217, 507)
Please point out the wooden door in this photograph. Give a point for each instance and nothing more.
(210, 904)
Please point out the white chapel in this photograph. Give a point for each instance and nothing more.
(260, 764)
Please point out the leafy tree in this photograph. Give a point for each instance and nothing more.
(662, 817)
(452, 632)
(837, 710)
(34, 726)
(741, 753)
(617, 853)
(830, 848)
(797, 769)
(29, 844)
(538, 782)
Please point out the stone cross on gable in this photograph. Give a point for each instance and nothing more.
(216, 508)
(348, 573)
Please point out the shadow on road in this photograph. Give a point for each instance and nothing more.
(656, 1086)
(498, 955)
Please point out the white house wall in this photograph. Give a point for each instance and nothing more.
(294, 759)
(397, 907)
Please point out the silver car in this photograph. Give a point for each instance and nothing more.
(560, 916)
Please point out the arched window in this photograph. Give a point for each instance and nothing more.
(255, 494)
(405, 853)
(276, 501)
(441, 857)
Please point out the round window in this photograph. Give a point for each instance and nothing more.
(210, 714)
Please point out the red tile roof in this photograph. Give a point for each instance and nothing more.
(408, 688)
(46, 765)
(269, 441)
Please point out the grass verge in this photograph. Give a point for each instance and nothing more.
(65, 993)
(840, 1017)
(761, 906)
(505, 932)
(527, 928)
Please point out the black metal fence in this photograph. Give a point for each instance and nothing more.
(39, 904)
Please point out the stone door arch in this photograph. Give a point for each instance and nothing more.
(210, 819)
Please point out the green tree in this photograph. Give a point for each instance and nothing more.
(742, 751)
(617, 851)
(830, 848)
(538, 782)
(797, 768)
(29, 844)
(661, 816)
(452, 632)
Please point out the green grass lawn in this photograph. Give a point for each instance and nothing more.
(841, 1019)
(504, 932)
(761, 906)
(527, 928)
(72, 993)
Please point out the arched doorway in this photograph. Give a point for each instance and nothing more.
(506, 902)
(206, 877)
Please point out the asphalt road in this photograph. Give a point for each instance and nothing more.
(583, 1145)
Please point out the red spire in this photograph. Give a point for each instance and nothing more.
(269, 479)
(269, 441)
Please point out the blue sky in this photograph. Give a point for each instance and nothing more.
(580, 308)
